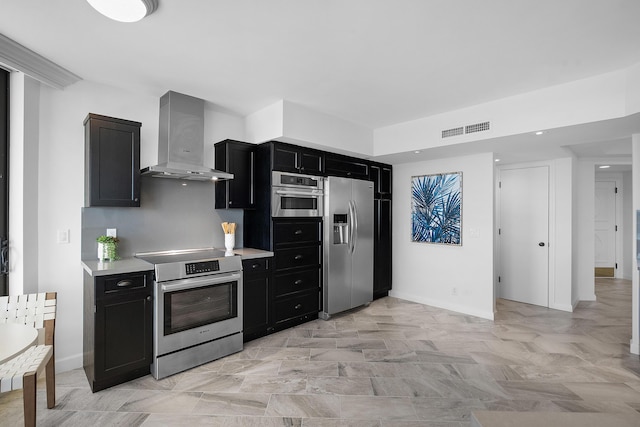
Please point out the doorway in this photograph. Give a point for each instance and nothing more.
(524, 235)
(605, 225)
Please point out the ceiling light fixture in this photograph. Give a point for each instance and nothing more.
(125, 10)
(496, 160)
(539, 132)
(604, 167)
(416, 152)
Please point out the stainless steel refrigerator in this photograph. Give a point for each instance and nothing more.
(348, 245)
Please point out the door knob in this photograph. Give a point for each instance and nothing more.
(541, 244)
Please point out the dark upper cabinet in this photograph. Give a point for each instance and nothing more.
(238, 158)
(345, 166)
(381, 174)
(112, 161)
(293, 158)
(118, 328)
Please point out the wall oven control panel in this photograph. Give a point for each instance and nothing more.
(202, 267)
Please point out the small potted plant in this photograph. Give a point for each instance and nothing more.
(107, 248)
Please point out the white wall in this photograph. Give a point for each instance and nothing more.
(61, 187)
(561, 252)
(583, 287)
(583, 101)
(290, 122)
(326, 131)
(628, 216)
(23, 184)
(635, 315)
(427, 273)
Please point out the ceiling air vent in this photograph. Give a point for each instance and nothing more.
(478, 127)
(452, 132)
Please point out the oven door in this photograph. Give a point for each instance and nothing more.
(294, 202)
(196, 310)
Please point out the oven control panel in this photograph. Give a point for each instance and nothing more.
(202, 267)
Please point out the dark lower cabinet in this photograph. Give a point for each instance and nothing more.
(382, 248)
(381, 175)
(256, 306)
(112, 161)
(297, 275)
(118, 328)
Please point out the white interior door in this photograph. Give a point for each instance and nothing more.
(605, 224)
(524, 235)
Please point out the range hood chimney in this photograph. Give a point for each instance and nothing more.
(181, 141)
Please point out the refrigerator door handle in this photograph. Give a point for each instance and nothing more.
(354, 240)
(351, 226)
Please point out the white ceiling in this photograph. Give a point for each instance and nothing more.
(373, 62)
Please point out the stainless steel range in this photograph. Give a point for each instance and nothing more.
(197, 309)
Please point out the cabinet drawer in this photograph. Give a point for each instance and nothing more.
(298, 281)
(256, 266)
(123, 283)
(305, 256)
(296, 306)
(296, 232)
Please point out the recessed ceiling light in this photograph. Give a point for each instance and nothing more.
(496, 160)
(604, 167)
(539, 132)
(416, 152)
(124, 10)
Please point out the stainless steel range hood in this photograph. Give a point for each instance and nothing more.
(181, 141)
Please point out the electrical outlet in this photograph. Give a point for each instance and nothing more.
(63, 236)
(113, 232)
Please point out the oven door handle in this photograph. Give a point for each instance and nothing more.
(313, 193)
(199, 282)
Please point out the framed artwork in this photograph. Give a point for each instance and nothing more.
(436, 208)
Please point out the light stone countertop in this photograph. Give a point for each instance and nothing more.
(250, 253)
(121, 266)
(132, 264)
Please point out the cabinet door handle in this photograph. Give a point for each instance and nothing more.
(298, 306)
(149, 298)
(254, 266)
(297, 232)
(124, 283)
(298, 257)
(298, 282)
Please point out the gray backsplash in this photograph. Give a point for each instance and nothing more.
(171, 216)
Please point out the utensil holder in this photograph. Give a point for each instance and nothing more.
(229, 241)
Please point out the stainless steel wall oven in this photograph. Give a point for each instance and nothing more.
(198, 308)
(296, 195)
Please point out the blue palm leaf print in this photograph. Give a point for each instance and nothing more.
(436, 208)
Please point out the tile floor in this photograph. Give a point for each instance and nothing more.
(394, 363)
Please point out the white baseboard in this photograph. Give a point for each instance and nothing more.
(634, 347)
(563, 307)
(439, 304)
(69, 363)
